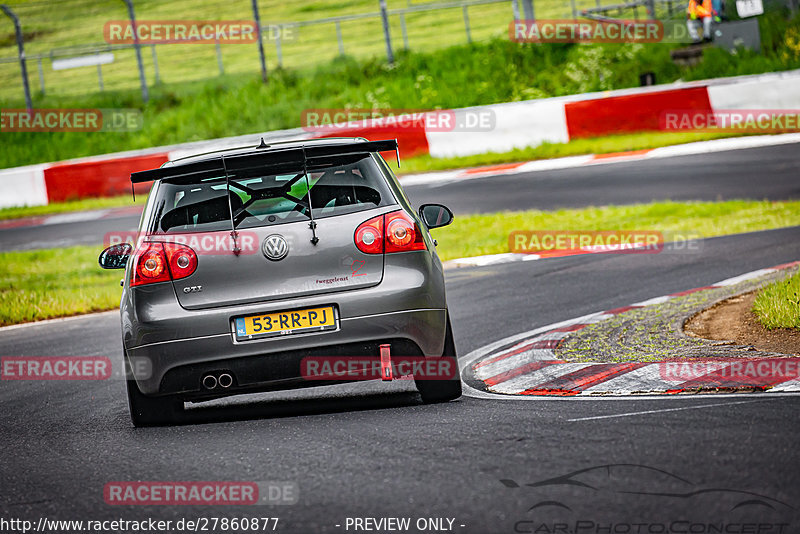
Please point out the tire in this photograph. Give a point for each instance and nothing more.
(435, 391)
(152, 411)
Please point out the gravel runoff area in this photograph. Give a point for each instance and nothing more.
(656, 333)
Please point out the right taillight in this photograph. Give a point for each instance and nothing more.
(392, 232)
(162, 262)
(402, 233)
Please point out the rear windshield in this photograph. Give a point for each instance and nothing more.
(259, 198)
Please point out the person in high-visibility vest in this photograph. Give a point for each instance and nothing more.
(700, 11)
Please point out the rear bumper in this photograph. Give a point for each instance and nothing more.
(177, 366)
(152, 314)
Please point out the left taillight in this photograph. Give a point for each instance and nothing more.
(162, 262)
(369, 236)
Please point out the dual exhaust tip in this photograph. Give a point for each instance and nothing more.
(212, 381)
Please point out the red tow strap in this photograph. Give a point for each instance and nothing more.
(386, 362)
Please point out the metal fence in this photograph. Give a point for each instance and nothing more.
(61, 29)
(65, 52)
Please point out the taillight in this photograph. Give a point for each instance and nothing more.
(181, 259)
(369, 236)
(393, 232)
(162, 262)
(150, 265)
(402, 233)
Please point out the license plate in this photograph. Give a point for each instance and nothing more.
(286, 323)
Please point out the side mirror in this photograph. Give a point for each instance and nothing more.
(435, 215)
(115, 256)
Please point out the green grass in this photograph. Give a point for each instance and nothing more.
(67, 24)
(70, 24)
(82, 23)
(83, 204)
(778, 304)
(43, 284)
(49, 283)
(457, 76)
(475, 235)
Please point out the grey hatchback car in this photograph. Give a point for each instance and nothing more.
(280, 266)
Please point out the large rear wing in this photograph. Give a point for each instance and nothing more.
(222, 165)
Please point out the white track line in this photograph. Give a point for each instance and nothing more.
(645, 412)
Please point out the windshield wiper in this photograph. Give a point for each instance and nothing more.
(313, 223)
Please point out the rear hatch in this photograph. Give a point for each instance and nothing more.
(273, 256)
(223, 278)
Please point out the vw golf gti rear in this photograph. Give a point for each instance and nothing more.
(255, 265)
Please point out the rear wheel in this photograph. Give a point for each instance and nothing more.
(152, 411)
(433, 391)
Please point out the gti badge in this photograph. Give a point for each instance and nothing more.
(192, 289)
(275, 247)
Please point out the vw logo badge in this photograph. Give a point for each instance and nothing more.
(275, 247)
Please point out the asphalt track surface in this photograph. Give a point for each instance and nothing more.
(756, 173)
(689, 464)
